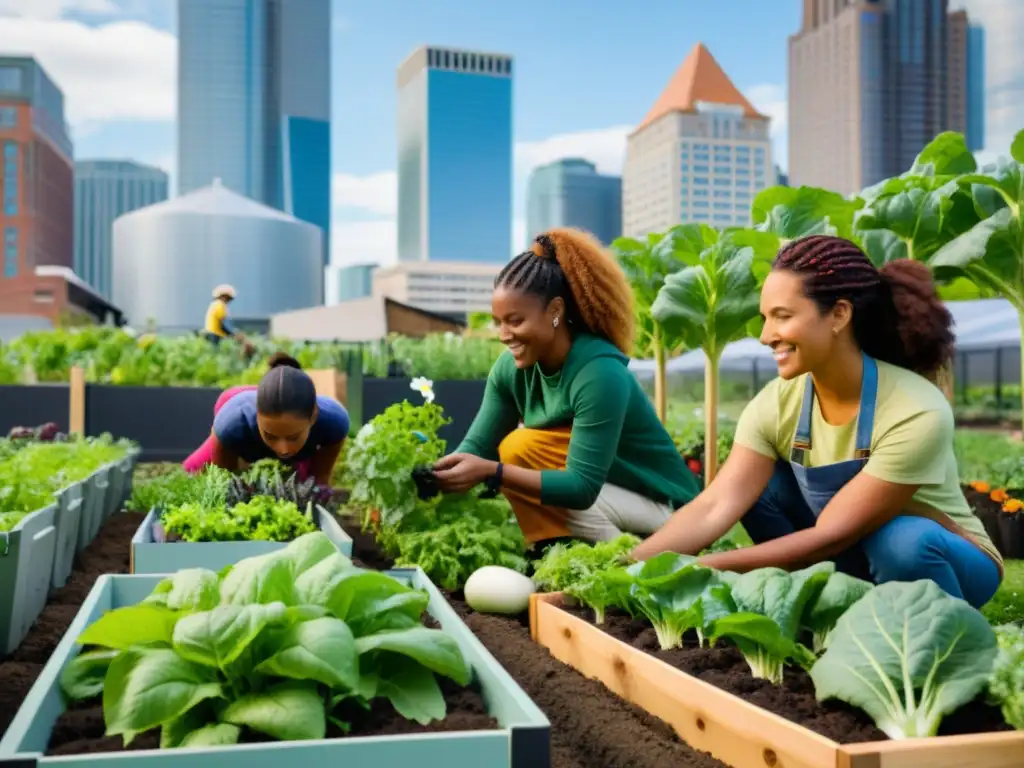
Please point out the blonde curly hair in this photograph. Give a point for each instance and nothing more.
(572, 264)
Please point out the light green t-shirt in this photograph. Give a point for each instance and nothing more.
(911, 443)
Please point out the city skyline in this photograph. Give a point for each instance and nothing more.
(570, 99)
(254, 102)
(561, 107)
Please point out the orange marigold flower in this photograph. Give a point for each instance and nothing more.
(999, 495)
(981, 486)
(1013, 505)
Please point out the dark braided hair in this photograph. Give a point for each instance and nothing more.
(897, 314)
(573, 265)
(286, 388)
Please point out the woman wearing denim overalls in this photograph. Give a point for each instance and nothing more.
(848, 455)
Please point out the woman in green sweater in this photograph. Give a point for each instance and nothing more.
(565, 431)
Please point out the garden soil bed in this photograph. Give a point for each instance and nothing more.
(591, 727)
(107, 554)
(80, 730)
(724, 667)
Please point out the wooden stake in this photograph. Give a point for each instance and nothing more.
(76, 401)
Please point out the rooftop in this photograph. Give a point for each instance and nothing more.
(698, 79)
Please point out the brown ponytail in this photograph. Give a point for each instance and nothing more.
(573, 265)
(897, 314)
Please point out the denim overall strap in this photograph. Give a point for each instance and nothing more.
(800, 450)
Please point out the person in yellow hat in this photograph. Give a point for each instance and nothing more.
(218, 325)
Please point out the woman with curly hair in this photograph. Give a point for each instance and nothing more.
(848, 455)
(565, 431)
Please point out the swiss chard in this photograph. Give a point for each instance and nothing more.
(277, 645)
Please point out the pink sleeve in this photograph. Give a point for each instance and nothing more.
(227, 394)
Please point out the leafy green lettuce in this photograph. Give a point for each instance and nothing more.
(277, 644)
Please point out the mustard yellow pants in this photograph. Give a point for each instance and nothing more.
(616, 510)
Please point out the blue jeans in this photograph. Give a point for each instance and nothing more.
(907, 548)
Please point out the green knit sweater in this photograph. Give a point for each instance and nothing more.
(616, 435)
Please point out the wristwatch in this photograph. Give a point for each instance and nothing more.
(493, 483)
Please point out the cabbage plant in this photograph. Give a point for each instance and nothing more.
(908, 654)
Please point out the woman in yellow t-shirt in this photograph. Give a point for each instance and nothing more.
(848, 455)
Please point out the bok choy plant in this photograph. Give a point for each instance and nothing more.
(908, 654)
(277, 645)
(770, 605)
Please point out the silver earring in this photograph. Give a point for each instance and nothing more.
(554, 323)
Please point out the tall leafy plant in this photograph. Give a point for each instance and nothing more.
(708, 305)
(991, 253)
(647, 263)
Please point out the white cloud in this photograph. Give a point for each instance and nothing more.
(54, 9)
(364, 241)
(376, 193)
(604, 147)
(770, 99)
(124, 70)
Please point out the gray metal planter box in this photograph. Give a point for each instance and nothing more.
(67, 523)
(522, 741)
(94, 503)
(26, 571)
(152, 555)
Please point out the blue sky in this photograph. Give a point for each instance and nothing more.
(586, 72)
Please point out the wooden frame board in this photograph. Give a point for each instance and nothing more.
(732, 730)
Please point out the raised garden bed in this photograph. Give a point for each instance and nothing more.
(590, 725)
(151, 552)
(20, 668)
(698, 692)
(511, 732)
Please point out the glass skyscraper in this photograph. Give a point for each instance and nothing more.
(254, 102)
(455, 156)
(104, 190)
(571, 193)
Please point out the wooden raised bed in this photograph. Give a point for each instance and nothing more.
(732, 730)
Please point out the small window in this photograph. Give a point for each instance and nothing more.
(43, 297)
(447, 60)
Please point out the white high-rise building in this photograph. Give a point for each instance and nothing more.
(700, 154)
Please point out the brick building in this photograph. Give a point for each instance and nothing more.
(37, 199)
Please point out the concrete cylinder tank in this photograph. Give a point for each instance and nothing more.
(168, 257)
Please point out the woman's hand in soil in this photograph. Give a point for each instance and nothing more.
(461, 472)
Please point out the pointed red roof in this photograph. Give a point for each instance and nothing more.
(699, 78)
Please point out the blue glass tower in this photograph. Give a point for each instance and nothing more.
(975, 135)
(455, 156)
(104, 190)
(254, 102)
(571, 193)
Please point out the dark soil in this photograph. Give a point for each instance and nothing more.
(107, 554)
(80, 729)
(591, 727)
(725, 668)
(364, 546)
